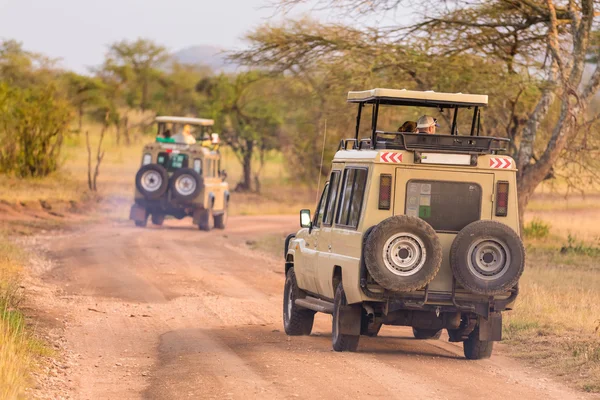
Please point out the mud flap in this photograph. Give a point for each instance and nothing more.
(197, 216)
(137, 213)
(490, 328)
(350, 317)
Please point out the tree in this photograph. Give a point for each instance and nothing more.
(84, 91)
(541, 48)
(246, 116)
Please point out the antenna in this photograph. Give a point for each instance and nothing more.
(321, 166)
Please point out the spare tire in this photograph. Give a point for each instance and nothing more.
(403, 253)
(487, 257)
(186, 184)
(152, 181)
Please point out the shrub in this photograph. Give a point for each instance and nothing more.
(33, 124)
(537, 229)
(578, 247)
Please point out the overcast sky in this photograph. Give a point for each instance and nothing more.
(78, 31)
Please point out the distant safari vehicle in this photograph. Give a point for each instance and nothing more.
(413, 229)
(181, 175)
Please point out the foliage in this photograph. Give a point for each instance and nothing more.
(33, 124)
(536, 229)
(576, 246)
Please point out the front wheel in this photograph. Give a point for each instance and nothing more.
(158, 219)
(343, 342)
(476, 349)
(427, 333)
(296, 320)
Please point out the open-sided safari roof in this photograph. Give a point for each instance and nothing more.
(185, 120)
(417, 98)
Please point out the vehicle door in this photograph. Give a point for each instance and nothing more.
(337, 238)
(306, 274)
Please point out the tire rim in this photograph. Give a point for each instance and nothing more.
(488, 259)
(404, 254)
(151, 181)
(185, 185)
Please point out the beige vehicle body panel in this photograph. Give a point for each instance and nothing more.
(317, 254)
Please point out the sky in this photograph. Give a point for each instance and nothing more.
(79, 31)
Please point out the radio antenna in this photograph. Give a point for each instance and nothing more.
(321, 166)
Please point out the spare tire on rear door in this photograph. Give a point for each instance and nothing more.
(186, 184)
(403, 253)
(152, 181)
(487, 257)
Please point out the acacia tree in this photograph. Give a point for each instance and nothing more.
(542, 47)
(246, 116)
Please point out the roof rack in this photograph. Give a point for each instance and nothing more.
(442, 143)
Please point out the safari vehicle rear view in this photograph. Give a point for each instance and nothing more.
(181, 175)
(412, 229)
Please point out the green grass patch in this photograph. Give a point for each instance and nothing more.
(536, 229)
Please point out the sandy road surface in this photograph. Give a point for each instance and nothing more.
(171, 313)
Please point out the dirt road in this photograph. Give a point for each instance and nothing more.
(172, 312)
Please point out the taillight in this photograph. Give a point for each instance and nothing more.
(502, 199)
(385, 191)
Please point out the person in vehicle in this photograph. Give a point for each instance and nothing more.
(185, 136)
(167, 134)
(427, 124)
(408, 127)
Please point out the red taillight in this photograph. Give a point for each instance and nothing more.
(169, 151)
(501, 199)
(385, 191)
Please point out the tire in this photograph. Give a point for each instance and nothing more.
(487, 257)
(221, 219)
(158, 219)
(372, 329)
(207, 221)
(476, 349)
(426, 333)
(152, 181)
(186, 184)
(403, 253)
(296, 320)
(341, 342)
(141, 224)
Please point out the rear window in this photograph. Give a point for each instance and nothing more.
(178, 161)
(446, 206)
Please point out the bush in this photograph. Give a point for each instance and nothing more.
(536, 229)
(33, 124)
(575, 246)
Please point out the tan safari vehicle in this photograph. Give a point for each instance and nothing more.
(181, 175)
(412, 229)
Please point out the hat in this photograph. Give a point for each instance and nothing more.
(426, 121)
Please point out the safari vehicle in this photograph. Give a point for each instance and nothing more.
(417, 230)
(182, 179)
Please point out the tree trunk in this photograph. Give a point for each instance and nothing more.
(247, 165)
(80, 120)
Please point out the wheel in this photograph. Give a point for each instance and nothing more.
(426, 333)
(476, 349)
(186, 184)
(296, 320)
(141, 224)
(152, 181)
(158, 219)
(342, 342)
(221, 219)
(207, 221)
(403, 253)
(373, 329)
(487, 257)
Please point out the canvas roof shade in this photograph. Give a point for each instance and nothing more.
(405, 97)
(186, 120)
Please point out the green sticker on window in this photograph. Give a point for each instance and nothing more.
(424, 212)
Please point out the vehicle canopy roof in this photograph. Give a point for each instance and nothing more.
(428, 98)
(186, 120)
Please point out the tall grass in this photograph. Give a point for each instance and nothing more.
(16, 345)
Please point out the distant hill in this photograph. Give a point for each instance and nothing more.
(210, 56)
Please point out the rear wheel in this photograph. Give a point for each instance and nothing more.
(343, 342)
(207, 221)
(296, 320)
(476, 349)
(158, 219)
(141, 224)
(221, 219)
(427, 333)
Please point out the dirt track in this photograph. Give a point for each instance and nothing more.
(176, 313)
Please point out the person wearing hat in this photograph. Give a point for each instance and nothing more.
(427, 124)
(185, 136)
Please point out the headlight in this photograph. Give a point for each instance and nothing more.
(147, 159)
(198, 166)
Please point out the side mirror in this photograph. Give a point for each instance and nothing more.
(305, 219)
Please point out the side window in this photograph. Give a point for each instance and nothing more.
(334, 186)
(353, 192)
(321, 207)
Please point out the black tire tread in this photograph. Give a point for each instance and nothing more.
(475, 349)
(301, 320)
(345, 342)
